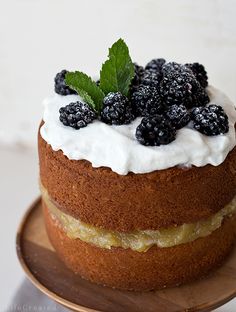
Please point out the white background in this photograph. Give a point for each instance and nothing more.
(38, 38)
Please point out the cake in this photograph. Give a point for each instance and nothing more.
(138, 173)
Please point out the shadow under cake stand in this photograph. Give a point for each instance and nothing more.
(50, 275)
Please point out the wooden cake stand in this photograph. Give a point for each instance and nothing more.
(50, 275)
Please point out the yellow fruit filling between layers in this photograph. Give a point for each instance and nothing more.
(140, 240)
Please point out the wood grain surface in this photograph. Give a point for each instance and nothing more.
(50, 275)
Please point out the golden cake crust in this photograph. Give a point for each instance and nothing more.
(154, 269)
(103, 198)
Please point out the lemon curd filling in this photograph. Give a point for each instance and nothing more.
(140, 240)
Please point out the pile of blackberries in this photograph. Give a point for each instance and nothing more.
(167, 95)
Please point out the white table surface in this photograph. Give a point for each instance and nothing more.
(19, 186)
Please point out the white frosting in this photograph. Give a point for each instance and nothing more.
(117, 148)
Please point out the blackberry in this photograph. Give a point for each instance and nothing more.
(155, 130)
(210, 120)
(155, 64)
(200, 98)
(146, 101)
(199, 72)
(180, 86)
(117, 109)
(60, 85)
(138, 73)
(77, 115)
(178, 116)
(151, 78)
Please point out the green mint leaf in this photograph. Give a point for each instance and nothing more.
(118, 71)
(87, 98)
(86, 88)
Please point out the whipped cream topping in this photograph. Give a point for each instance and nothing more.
(117, 148)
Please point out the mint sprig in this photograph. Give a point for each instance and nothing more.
(115, 76)
(118, 71)
(86, 88)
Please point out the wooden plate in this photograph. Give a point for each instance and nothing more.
(50, 275)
